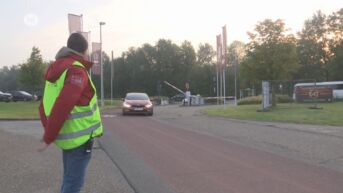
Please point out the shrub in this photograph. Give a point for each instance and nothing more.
(258, 100)
(250, 100)
(283, 99)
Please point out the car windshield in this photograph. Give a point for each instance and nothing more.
(137, 96)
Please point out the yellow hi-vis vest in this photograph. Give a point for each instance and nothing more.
(83, 121)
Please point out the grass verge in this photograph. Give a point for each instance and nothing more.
(29, 110)
(19, 110)
(330, 114)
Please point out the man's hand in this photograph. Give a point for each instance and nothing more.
(43, 146)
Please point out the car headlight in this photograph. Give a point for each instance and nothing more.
(126, 105)
(148, 105)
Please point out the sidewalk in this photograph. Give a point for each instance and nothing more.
(24, 170)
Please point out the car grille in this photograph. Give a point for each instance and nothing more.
(138, 106)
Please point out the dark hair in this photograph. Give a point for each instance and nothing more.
(77, 42)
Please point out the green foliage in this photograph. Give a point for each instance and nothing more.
(271, 54)
(284, 99)
(202, 80)
(331, 114)
(268, 32)
(271, 62)
(336, 64)
(258, 100)
(143, 69)
(205, 54)
(335, 28)
(9, 78)
(313, 48)
(250, 100)
(317, 45)
(236, 53)
(32, 72)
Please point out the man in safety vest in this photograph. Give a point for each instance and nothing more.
(69, 111)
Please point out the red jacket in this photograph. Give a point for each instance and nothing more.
(77, 90)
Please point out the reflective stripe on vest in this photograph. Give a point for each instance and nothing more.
(83, 114)
(83, 122)
(80, 133)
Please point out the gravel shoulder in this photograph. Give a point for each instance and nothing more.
(25, 170)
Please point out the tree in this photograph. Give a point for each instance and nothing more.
(336, 63)
(236, 53)
(32, 72)
(317, 42)
(187, 63)
(168, 64)
(271, 54)
(205, 54)
(335, 30)
(314, 49)
(145, 68)
(8, 78)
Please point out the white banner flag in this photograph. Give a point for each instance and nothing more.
(96, 48)
(219, 51)
(224, 47)
(75, 23)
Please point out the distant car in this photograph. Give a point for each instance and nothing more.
(6, 97)
(38, 96)
(178, 98)
(21, 96)
(137, 103)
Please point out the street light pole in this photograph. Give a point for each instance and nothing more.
(101, 68)
(236, 62)
(112, 78)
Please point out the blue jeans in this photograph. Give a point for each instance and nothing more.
(75, 163)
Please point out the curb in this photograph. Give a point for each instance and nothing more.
(14, 119)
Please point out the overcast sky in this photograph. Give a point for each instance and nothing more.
(130, 23)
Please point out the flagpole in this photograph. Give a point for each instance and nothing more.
(81, 16)
(236, 61)
(217, 91)
(224, 61)
(101, 68)
(112, 78)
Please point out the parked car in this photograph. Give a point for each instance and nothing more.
(137, 103)
(21, 96)
(6, 97)
(177, 98)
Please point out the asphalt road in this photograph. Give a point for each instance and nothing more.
(179, 150)
(313, 144)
